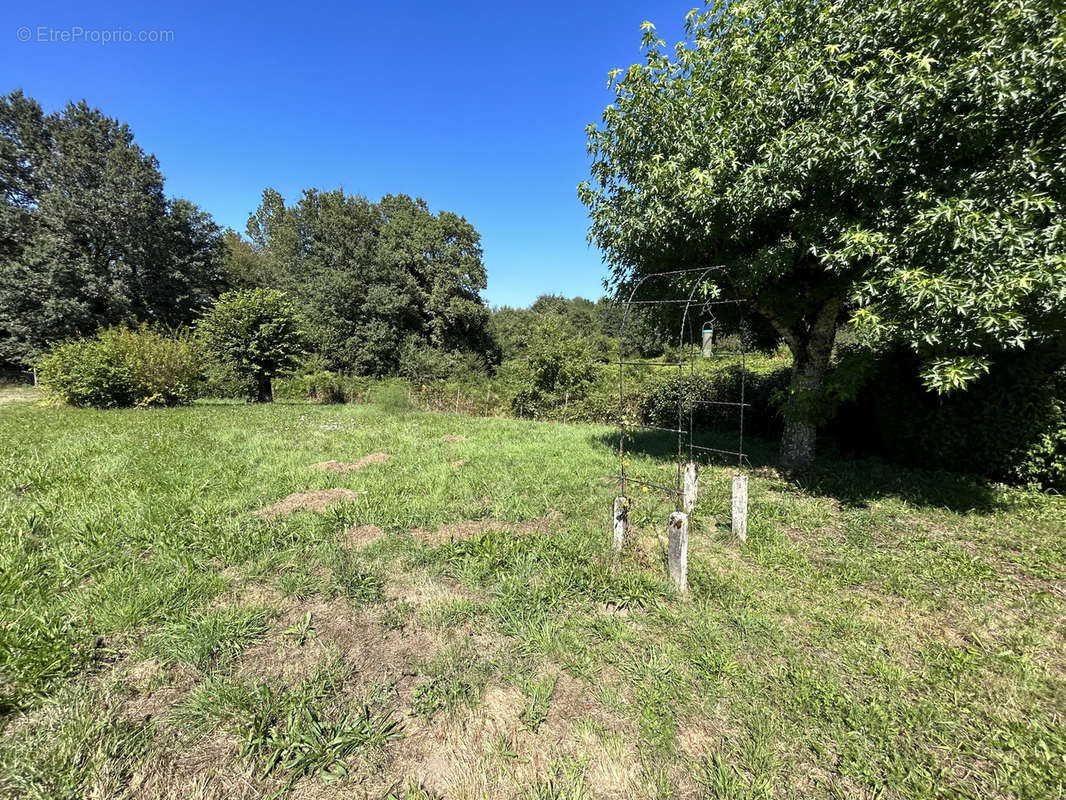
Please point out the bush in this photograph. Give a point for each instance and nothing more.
(1010, 426)
(321, 386)
(558, 371)
(122, 367)
(702, 391)
(163, 370)
(421, 363)
(85, 372)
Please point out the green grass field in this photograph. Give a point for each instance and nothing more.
(455, 624)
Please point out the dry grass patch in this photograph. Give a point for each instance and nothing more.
(460, 756)
(421, 592)
(352, 466)
(318, 500)
(152, 688)
(19, 394)
(152, 703)
(453, 438)
(471, 528)
(358, 535)
(489, 751)
(209, 770)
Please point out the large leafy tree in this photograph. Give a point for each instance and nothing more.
(896, 164)
(375, 279)
(87, 236)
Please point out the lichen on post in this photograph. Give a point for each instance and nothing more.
(692, 480)
(740, 507)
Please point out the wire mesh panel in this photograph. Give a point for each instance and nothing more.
(704, 305)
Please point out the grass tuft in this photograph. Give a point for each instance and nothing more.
(207, 640)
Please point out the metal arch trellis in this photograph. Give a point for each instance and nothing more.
(696, 278)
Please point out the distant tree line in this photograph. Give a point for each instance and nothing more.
(88, 240)
(123, 296)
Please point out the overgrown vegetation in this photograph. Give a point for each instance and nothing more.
(123, 367)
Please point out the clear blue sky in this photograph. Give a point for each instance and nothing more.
(479, 107)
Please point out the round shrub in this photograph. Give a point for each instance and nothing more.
(85, 372)
(255, 335)
(122, 367)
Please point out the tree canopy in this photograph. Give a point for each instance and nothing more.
(87, 236)
(899, 165)
(376, 279)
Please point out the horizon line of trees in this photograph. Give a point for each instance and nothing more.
(88, 240)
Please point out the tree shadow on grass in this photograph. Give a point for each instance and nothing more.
(857, 482)
(853, 482)
(662, 446)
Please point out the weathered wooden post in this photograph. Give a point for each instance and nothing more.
(692, 479)
(678, 555)
(740, 507)
(621, 522)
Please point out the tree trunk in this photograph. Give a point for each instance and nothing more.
(266, 390)
(801, 428)
(811, 344)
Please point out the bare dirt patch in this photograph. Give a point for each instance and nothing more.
(156, 703)
(372, 653)
(452, 438)
(352, 466)
(306, 501)
(459, 463)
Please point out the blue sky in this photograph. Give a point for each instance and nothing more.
(479, 107)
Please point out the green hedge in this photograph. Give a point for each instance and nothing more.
(1010, 426)
(706, 395)
(321, 386)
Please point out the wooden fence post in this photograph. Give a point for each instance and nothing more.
(740, 507)
(678, 554)
(621, 522)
